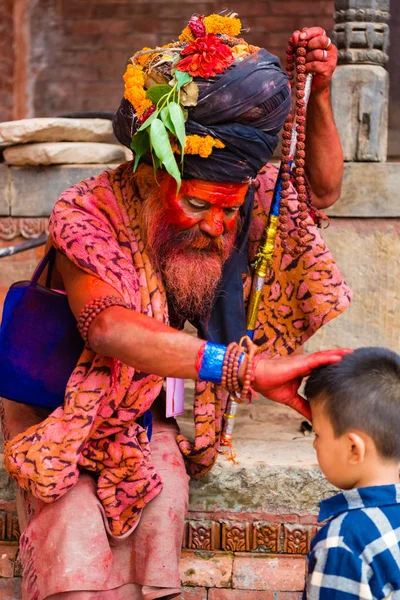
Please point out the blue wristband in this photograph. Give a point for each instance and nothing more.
(213, 359)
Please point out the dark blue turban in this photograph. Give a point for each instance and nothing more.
(244, 107)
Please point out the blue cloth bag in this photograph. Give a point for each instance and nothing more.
(40, 344)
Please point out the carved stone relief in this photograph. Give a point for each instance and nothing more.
(296, 540)
(203, 536)
(236, 537)
(266, 537)
(28, 228)
(9, 528)
(230, 536)
(360, 86)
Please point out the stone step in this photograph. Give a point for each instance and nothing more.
(276, 470)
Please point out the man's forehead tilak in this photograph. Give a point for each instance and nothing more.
(217, 194)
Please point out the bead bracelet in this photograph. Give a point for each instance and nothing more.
(90, 311)
(221, 364)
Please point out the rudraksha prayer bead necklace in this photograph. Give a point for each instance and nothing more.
(295, 62)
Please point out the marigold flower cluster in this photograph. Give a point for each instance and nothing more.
(186, 35)
(231, 26)
(143, 59)
(203, 146)
(134, 89)
(217, 24)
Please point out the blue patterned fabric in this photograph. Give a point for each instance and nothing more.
(357, 553)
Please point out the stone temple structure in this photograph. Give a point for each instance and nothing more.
(250, 524)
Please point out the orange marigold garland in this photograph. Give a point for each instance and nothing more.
(196, 144)
(203, 146)
(143, 58)
(186, 35)
(134, 89)
(228, 25)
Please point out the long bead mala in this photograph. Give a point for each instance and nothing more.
(293, 145)
(295, 62)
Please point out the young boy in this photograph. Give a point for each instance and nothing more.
(355, 407)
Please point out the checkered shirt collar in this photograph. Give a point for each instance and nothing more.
(367, 497)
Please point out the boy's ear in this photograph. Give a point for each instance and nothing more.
(357, 448)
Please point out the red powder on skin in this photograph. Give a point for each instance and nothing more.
(199, 358)
(219, 196)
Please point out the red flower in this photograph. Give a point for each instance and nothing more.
(147, 113)
(197, 27)
(206, 57)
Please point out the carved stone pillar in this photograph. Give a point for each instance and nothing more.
(360, 87)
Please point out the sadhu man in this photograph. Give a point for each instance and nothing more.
(140, 250)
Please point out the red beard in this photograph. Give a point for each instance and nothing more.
(190, 261)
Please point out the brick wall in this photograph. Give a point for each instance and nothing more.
(76, 51)
(225, 556)
(79, 49)
(7, 59)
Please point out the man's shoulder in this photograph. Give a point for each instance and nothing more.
(96, 197)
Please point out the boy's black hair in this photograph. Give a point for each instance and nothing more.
(362, 392)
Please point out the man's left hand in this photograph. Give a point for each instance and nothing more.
(321, 57)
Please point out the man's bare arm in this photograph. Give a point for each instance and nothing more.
(133, 338)
(324, 156)
(153, 347)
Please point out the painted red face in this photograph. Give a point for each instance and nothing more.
(212, 207)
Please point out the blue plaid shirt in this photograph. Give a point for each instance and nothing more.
(357, 553)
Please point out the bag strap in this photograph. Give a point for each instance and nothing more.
(48, 259)
(52, 260)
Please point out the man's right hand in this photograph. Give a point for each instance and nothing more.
(279, 379)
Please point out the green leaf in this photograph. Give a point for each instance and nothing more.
(162, 147)
(178, 120)
(157, 164)
(166, 119)
(182, 78)
(148, 121)
(156, 161)
(140, 145)
(157, 92)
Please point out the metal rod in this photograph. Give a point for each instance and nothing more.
(21, 247)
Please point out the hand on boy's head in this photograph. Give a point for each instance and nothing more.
(280, 379)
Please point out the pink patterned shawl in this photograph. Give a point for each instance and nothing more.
(96, 225)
